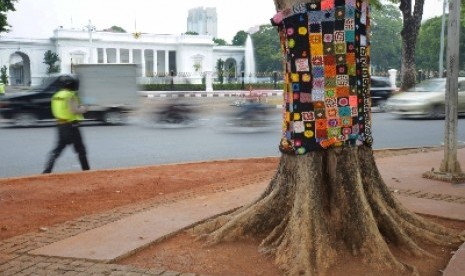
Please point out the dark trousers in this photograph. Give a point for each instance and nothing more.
(68, 134)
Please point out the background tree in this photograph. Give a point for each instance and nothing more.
(5, 6)
(328, 202)
(428, 44)
(115, 29)
(409, 34)
(240, 38)
(51, 58)
(220, 70)
(219, 41)
(267, 50)
(386, 24)
(3, 75)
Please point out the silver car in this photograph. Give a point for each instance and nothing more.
(425, 100)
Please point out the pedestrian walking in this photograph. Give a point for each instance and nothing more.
(67, 110)
(2, 88)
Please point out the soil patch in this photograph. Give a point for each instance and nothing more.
(42, 201)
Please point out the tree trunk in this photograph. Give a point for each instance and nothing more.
(409, 34)
(327, 198)
(327, 204)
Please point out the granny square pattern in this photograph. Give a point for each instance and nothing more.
(325, 45)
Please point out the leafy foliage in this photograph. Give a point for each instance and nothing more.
(220, 70)
(191, 33)
(3, 75)
(219, 41)
(240, 38)
(5, 6)
(428, 44)
(116, 29)
(51, 58)
(386, 45)
(267, 49)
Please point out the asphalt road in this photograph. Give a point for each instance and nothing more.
(23, 150)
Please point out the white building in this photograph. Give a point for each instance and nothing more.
(185, 56)
(203, 21)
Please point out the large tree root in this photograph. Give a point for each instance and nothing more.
(324, 203)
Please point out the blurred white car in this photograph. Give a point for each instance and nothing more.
(425, 100)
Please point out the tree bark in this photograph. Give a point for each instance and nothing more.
(326, 204)
(409, 34)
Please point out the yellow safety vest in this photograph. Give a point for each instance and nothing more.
(60, 106)
(2, 88)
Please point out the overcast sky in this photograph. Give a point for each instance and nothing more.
(38, 18)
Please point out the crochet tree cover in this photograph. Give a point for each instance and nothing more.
(326, 49)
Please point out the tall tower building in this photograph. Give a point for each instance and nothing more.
(203, 21)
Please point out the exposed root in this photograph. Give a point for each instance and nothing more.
(323, 203)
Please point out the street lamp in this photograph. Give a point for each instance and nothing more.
(90, 28)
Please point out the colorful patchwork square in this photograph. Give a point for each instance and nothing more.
(329, 60)
(306, 77)
(342, 91)
(350, 36)
(327, 4)
(295, 77)
(328, 48)
(330, 93)
(330, 82)
(321, 124)
(328, 38)
(346, 121)
(347, 131)
(334, 132)
(315, 39)
(321, 133)
(344, 101)
(332, 113)
(316, 49)
(318, 95)
(328, 15)
(339, 36)
(318, 72)
(317, 60)
(320, 113)
(344, 111)
(340, 48)
(308, 116)
(341, 69)
(342, 80)
(330, 102)
(330, 70)
(301, 65)
(333, 123)
(340, 12)
(314, 5)
(353, 101)
(299, 127)
(349, 24)
(305, 97)
(341, 59)
(319, 83)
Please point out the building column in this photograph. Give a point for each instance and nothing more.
(167, 62)
(142, 61)
(118, 55)
(155, 67)
(131, 57)
(105, 58)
